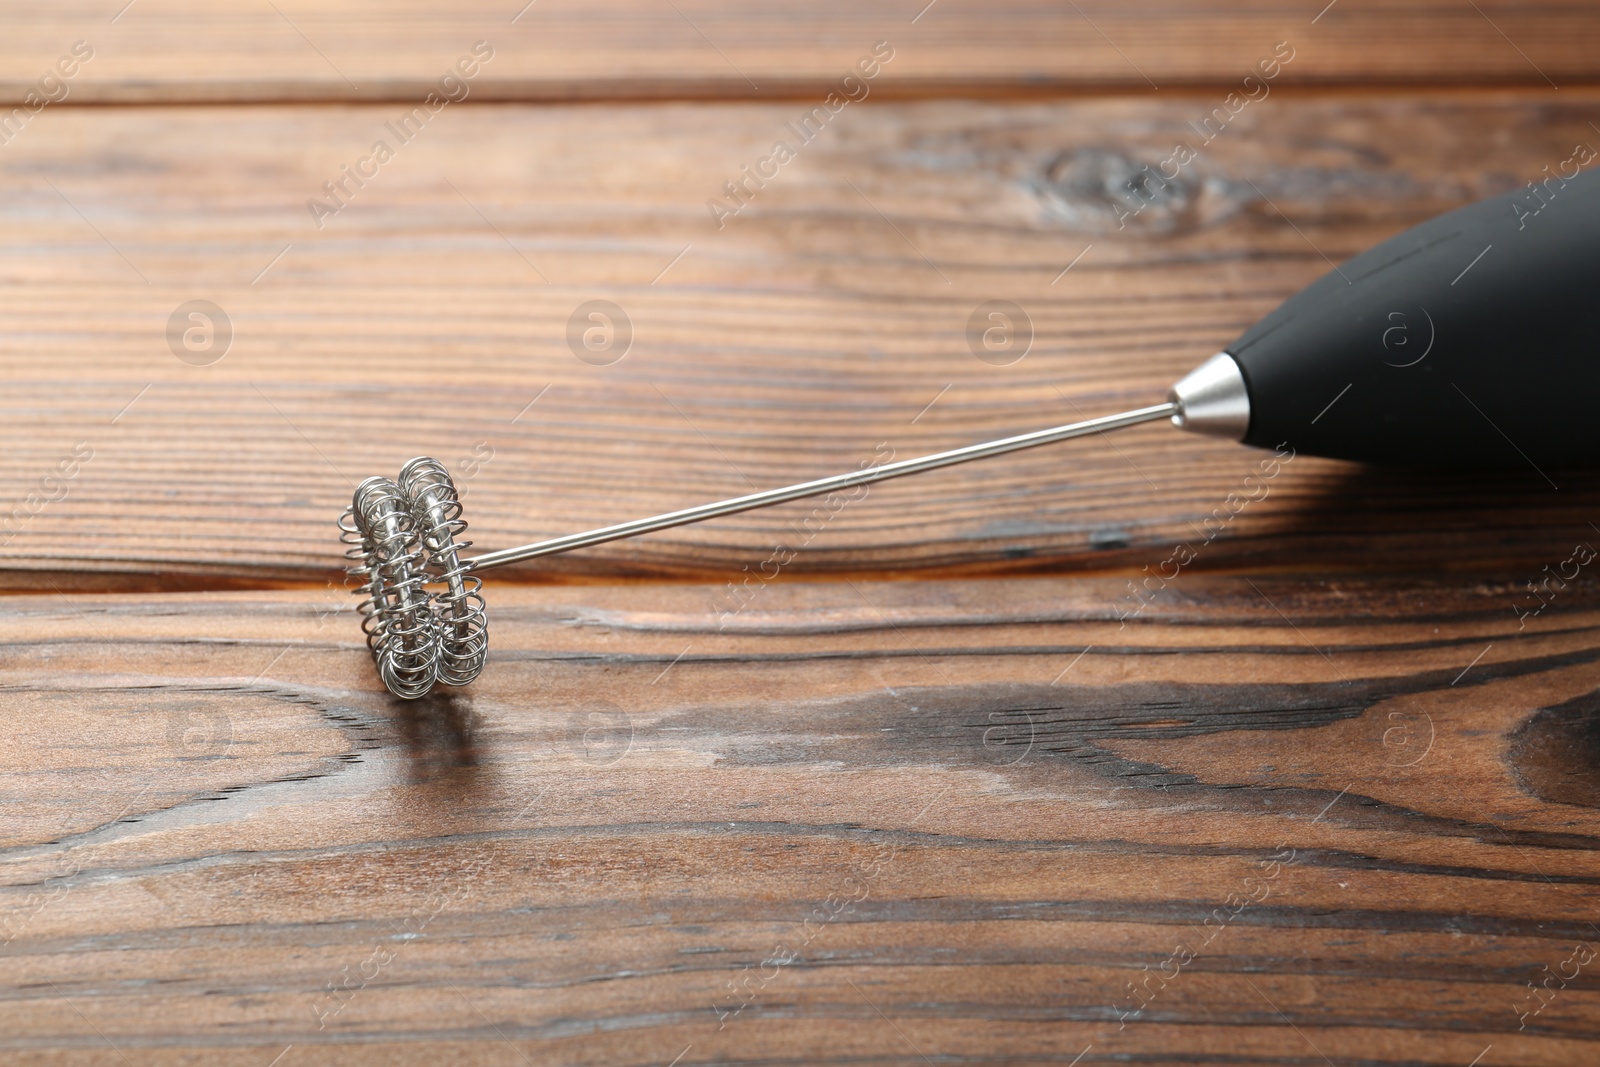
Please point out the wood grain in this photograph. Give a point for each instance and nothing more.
(1323, 794)
(295, 50)
(583, 859)
(824, 322)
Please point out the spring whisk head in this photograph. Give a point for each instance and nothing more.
(423, 611)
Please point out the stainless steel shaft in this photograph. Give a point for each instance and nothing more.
(820, 485)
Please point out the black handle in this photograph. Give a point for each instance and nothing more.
(1470, 340)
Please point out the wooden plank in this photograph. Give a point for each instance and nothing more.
(189, 51)
(822, 326)
(1010, 810)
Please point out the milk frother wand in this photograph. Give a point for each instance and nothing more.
(1468, 341)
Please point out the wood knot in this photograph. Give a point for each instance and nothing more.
(1556, 752)
(1102, 191)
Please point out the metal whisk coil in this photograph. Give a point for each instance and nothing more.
(423, 613)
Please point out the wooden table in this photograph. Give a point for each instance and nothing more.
(975, 777)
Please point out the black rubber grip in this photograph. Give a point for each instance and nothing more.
(1470, 340)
